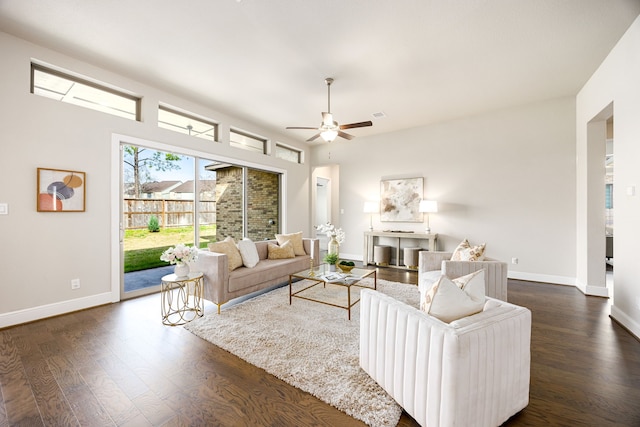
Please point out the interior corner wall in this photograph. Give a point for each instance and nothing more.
(505, 177)
(615, 82)
(44, 251)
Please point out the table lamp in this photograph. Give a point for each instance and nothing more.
(427, 207)
(371, 208)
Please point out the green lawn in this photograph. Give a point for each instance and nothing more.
(142, 248)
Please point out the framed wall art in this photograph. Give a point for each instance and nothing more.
(61, 190)
(400, 200)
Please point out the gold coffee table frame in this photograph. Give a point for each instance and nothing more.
(182, 298)
(315, 275)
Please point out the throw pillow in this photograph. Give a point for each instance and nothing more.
(466, 252)
(449, 300)
(280, 252)
(229, 248)
(295, 239)
(248, 252)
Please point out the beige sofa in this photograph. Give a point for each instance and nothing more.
(432, 264)
(222, 285)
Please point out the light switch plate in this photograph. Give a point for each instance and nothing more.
(4, 209)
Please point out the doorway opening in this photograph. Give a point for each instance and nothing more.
(323, 206)
(599, 207)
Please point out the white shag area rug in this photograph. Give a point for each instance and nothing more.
(309, 345)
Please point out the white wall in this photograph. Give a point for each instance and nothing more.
(616, 81)
(506, 178)
(42, 252)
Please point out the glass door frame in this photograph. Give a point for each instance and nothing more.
(117, 197)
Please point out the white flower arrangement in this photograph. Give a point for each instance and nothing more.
(330, 230)
(180, 254)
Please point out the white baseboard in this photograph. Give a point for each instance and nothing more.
(544, 278)
(626, 321)
(595, 291)
(36, 313)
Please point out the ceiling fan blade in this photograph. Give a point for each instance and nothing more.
(300, 127)
(314, 137)
(356, 125)
(345, 135)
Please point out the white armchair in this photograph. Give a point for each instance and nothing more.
(432, 264)
(474, 371)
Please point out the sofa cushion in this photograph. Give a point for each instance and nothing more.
(281, 252)
(449, 300)
(268, 272)
(295, 239)
(248, 252)
(263, 248)
(466, 252)
(229, 248)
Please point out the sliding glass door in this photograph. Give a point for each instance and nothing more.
(171, 198)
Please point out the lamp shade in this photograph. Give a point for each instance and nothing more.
(371, 207)
(428, 206)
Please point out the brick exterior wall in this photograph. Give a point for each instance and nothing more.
(262, 204)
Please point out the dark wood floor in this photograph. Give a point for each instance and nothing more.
(118, 365)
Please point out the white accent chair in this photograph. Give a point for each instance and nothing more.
(471, 372)
(433, 264)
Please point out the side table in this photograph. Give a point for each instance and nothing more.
(182, 298)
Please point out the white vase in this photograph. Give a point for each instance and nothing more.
(182, 269)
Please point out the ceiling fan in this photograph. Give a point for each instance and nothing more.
(330, 129)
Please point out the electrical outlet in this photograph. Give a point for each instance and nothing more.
(514, 260)
(75, 284)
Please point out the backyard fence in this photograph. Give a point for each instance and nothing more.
(170, 212)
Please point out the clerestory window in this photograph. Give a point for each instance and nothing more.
(246, 141)
(187, 123)
(80, 91)
(287, 153)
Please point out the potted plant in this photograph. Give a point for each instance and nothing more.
(180, 255)
(331, 259)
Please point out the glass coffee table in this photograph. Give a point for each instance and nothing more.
(331, 282)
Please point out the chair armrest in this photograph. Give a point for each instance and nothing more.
(215, 267)
(432, 260)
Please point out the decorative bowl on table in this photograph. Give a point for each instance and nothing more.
(345, 266)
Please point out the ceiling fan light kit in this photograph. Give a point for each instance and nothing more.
(330, 129)
(329, 134)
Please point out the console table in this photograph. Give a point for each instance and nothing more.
(371, 237)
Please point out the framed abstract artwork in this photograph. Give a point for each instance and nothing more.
(400, 200)
(60, 190)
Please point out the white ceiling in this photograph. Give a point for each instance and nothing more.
(418, 61)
